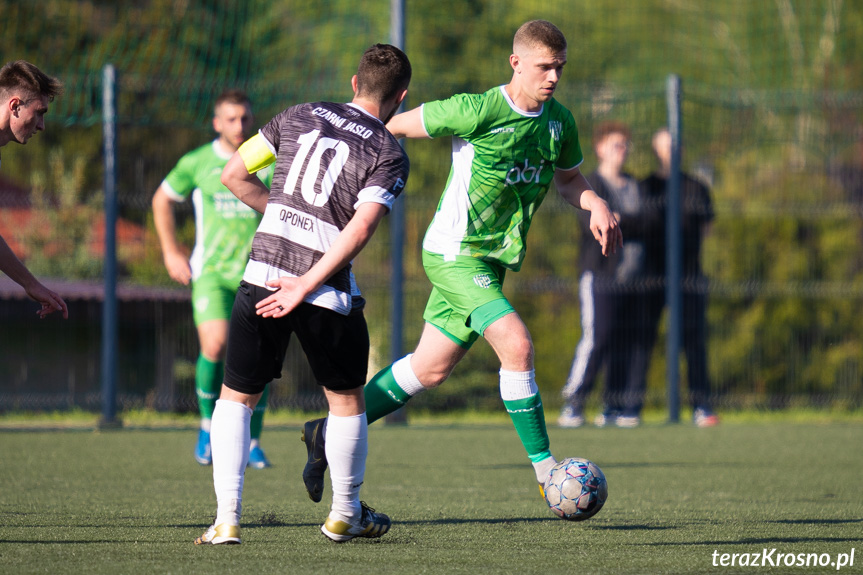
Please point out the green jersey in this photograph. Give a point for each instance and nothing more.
(503, 161)
(224, 226)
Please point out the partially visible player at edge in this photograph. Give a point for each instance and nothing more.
(338, 171)
(224, 228)
(25, 92)
(509, 144)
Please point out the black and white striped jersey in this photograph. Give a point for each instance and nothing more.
(330, 158)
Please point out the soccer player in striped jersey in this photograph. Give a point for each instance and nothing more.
(509, 144)
(224, 227)
(337, 172)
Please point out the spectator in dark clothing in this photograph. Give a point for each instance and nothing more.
(603, 282)
(697, 215)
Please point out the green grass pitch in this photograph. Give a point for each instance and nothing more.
(462, 497)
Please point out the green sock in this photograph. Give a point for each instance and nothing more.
(529, 419)
(383, 395)
(257, 423)
(208, 384)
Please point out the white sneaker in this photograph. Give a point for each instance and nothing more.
(702, 417)
(604, 419)
(570, 417)
(627, 421)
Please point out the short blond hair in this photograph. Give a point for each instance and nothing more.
(539, 34)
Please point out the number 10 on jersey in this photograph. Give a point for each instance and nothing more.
(308, 173)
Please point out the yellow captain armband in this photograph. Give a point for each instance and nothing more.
(256, 154)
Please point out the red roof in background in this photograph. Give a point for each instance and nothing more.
(130, 235)
(16, 214)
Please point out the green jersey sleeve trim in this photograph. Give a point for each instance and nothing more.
(423, 120)
(172, 193)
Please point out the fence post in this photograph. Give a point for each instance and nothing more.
(109, 307)
(673, 294)
(397, 230)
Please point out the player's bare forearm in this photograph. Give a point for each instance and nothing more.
(603, 223)
(173, 254)
(164, 222)
(408, 125)
(575, 189)
(349, 243)
(248, 188)
(571, 185)
(14, 268)
(18, 272)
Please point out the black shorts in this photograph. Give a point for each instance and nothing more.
(337, 346)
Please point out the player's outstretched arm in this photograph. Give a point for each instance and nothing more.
(15, 269)
(408, 125)
(576, 190)
(345, 248)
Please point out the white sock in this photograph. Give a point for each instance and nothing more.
(515, 385)
(543, 468)
(347, 447)
(404, 375)
(206, 424)
(229, 439)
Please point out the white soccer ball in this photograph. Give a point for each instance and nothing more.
(576, 489)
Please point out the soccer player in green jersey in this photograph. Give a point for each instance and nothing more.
(509, 144)
(224, 228)
(25, 92)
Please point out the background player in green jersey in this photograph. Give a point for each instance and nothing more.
(224, 228)
(509, 144)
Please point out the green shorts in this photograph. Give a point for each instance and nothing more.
(466, 296)
(213, 297)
